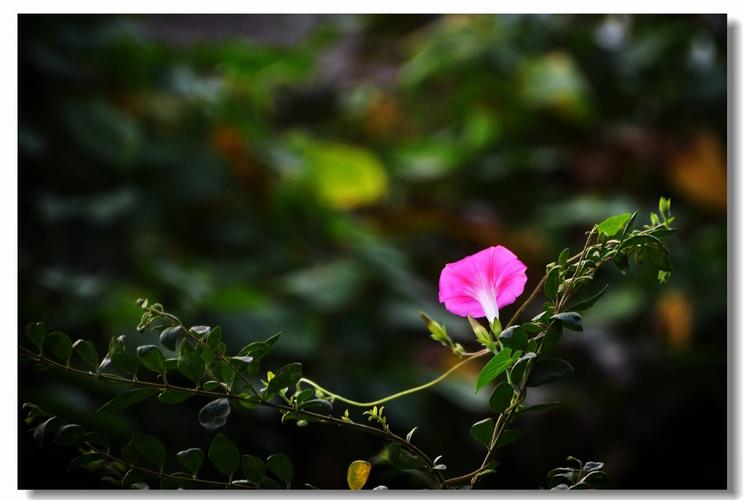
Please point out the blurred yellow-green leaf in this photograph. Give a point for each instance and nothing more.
(358, 473)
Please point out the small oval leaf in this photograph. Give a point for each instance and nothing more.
(358, 474)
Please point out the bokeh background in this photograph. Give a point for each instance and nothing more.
(312, 174)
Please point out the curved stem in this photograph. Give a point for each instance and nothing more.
(396, 395)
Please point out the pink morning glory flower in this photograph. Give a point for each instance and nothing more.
(482, 284)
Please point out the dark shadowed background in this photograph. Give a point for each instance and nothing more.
(312, 175)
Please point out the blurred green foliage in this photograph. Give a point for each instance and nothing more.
(312, 174)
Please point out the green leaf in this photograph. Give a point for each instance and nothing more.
(493, 368)
(134, 478)
(173, 397)
(500, 400)
(588, 303)
(552, 336)
(481, 333)
(97, 439)
(253, 468)
(549, 370)
(129, 398)
(60, 346)
(562, 259)
(224, 455)
(482, 431)
(281, 466)
(69, 435)
(145, 447)
(119, 356)
(317, 406)
(36, 333)
(169, 337)
(269, 484)
(285, 377)
(171, 483)
(152, 358)
(539, 407)
(87, 352)
(191, 459)
(358, 474)
(215, 414)
(190, 363)
(49, 425)
(507, 437)
(570, 320)
(514, 337)
(613, 224)
(402, 459)
(552, 283)
(518, 368)
(84, 459)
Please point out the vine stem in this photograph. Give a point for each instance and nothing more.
(391, 397)
(163, 475)
(389, 436)
(470, 356)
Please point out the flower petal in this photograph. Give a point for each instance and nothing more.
(483, 283)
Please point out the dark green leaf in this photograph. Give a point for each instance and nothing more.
(552, 283)
(224, 455)
(129, 398)
(170, 483)
(96, 439)
(641, 239)
(285, 377)
(402, 459)
(539, 407)
(87, 352)
(68, 435)
(552, 336)
(151, 358)
(493, 368)
(173, 397)
(570, 320)
(215, 414)
(507, 437)
(253, 468)
(190, 363)
(143, 450)
(482, 431)
(60, 346)
(613, 224)
(169, 337)
(214, 337)
(514, 337)
(500, 400)
(36, 333)
(562, 259)
(84, 459)
(280, 466)
(49, 425)
(134, 478)
(191, 459)
(317, 406)
(270, 484)
(549, 370)
(119, 356)
(588, 303)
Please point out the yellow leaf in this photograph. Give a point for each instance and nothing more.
(358, 473)
(345, 177)
(698, 171)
